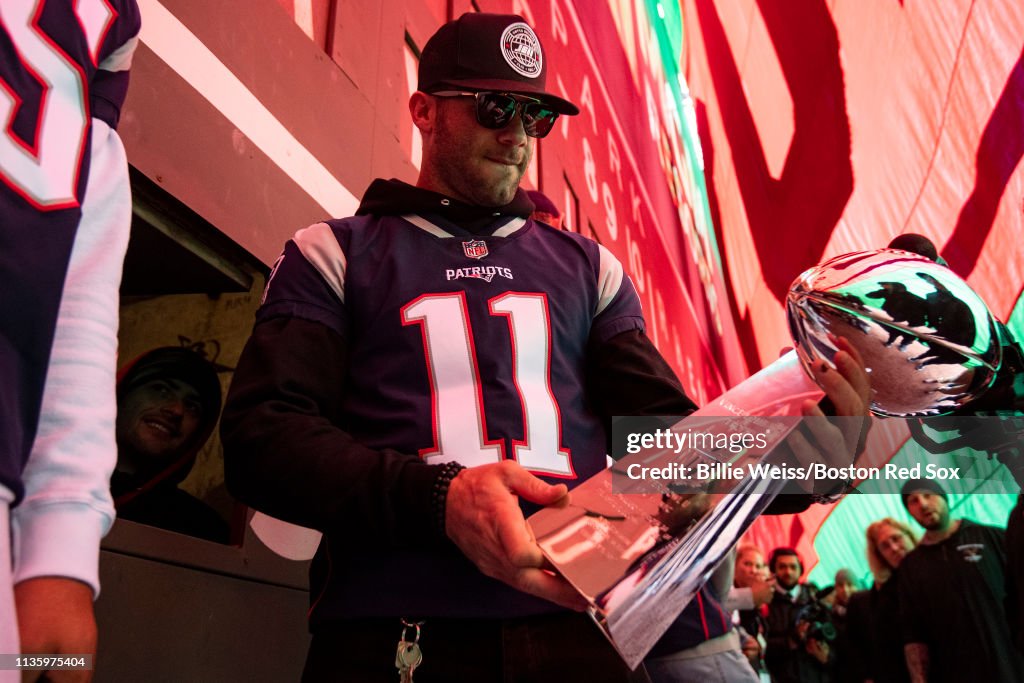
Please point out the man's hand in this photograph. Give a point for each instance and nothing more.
(818, 649)
(848, 388)
(483, 518)
(752, 651)
(55, 617)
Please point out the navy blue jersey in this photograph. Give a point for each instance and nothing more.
(62, 63)
(474, 358)
(461, 347)
(702, 619)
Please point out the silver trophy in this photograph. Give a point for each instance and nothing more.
(927, 339)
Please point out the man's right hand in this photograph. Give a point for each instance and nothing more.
(55, 617)
(483, 518)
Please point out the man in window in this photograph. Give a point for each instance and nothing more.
(168, 402)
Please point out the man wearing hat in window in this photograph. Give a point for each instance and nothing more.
(952, 594)
(168, 402)
(418, 371)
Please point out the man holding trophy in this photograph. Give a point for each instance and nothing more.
(417, 417)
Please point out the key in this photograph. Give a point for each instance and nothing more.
(407, 658)
(408, 654)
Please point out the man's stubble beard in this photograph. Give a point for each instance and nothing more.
(453, 161)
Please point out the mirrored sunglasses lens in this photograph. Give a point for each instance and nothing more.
(538, 119)
(494, 110)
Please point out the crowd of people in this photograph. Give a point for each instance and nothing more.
(936, 609)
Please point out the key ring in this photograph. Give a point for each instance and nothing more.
(406, 625)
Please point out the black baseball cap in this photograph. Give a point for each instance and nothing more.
(481, 51)
(177, 363)
(919, 485)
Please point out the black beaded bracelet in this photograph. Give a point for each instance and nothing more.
(439, 495)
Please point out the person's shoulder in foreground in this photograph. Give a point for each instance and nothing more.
(67, 188)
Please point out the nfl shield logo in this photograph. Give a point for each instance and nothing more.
(475, 249)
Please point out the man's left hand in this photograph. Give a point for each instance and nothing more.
(847, 386)
(55, 617)
(762, 591)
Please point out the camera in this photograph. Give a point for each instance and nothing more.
(820, 625)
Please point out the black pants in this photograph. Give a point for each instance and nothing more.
(560, 648)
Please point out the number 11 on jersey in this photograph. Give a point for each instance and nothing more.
(459, 419)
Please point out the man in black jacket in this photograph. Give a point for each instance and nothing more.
(784, 649)
(421, 369)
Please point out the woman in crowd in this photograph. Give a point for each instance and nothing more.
(873, 616)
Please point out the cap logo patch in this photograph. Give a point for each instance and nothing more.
(521, 49)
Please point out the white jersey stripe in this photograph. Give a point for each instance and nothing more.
(320, 247)
(121, 58)
(510, 227)
(425, 225)
(437, 231)
(609, 279)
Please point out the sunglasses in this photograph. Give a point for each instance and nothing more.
(495, 110)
